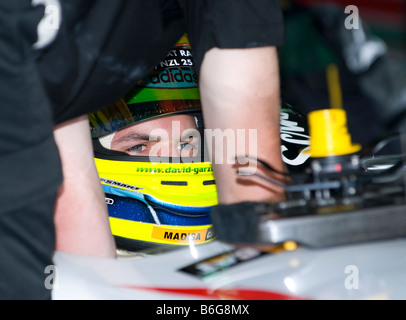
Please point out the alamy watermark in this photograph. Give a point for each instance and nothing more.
(351, 281)
(48, 27)
(229, 146)
(51, 280)
(352, 20)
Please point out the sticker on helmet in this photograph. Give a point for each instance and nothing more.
(182, 236)
(175, 71)
(119, 184)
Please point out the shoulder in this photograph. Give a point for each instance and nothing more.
(232, 24)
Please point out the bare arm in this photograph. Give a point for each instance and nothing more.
(240, 90)
(81, 217)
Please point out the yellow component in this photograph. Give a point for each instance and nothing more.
(329, 134)
(334, 209)
(184, 40)
(334, 87)
(190, 184)
(175, 235)
(290, 245)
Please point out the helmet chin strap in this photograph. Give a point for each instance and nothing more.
(154, 215)
(106, 140)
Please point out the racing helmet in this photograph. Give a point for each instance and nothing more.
(153, 199)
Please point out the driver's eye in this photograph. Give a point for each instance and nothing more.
(186, 146)
(137, 148)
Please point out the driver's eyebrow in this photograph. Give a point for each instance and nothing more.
(138, 136)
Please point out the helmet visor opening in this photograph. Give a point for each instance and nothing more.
(175, 138)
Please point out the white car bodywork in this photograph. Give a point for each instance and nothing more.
(363, 271)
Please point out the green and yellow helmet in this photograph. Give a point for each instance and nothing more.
(154, 200)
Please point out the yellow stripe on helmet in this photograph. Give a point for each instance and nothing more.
(185, 184)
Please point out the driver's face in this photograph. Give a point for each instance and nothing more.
(144, 139)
